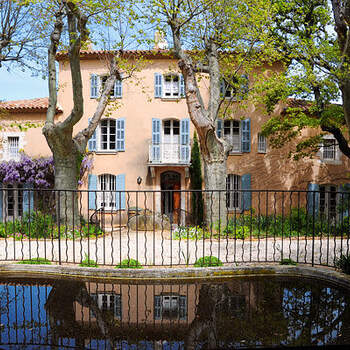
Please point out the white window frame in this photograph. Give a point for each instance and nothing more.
(98, 133)
(107, 187)
(324, 208)
(337, 154)
(234, 194)
(17, 204)
(229, 90)
(103, 301)
(172, 302)
(262, 143)
(102, 79)
(231, 136)
(6, 155)
(109, 134)
(172, 88)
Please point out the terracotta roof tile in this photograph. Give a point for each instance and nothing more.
(33, 105)
(127, 53)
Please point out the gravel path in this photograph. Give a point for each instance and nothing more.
(156, 248)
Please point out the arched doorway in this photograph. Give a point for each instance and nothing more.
(170, 182)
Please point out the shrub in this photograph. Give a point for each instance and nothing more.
(208, 261)
(35, 261)
(80, 232)
(40, 225)
(288, 262)
(88, 262)
(129, 264)
(343, 264)
(192, 232)
(236, 231)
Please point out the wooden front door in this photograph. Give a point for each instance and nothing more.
(171, 199)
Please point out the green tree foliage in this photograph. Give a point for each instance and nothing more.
(196, 183)
(309, 81)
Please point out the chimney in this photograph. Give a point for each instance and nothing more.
(160, 43)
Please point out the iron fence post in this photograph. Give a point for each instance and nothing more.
(59, 227)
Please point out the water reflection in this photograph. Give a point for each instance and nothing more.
(244, 312)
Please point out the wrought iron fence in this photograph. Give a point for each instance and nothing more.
(162, 228)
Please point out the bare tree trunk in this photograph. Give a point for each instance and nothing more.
(215, 196)
(65, 148)
(65, 154)
(214, 151)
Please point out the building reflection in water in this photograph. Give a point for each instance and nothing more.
(241, 312)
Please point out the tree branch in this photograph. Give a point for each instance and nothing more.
(52, 81)
(338, 135)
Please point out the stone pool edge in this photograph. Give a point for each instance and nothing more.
(183, 273)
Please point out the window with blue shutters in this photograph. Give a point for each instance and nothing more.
(185, 140)
(170, 307)
(182, 86)
(118, 89)
(219, 127)
(121, 134)
(232, 134)
(156, 139)
(233, 194)
(234, 88)
(158, 83)
(120, 192)
(236, 132)
(25, 194)
(94, 86)
(157, 307)
(171, 85)
(116, 92)
(111, 191)
(313, 199)
(245, 135)
(246, 193)
(238, 194)
(92, 144)
(343, 204)
(92, 186)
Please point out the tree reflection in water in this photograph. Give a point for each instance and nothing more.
(241, 312)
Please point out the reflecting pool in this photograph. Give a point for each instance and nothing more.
(234, 313)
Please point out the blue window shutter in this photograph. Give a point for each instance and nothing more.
(94, 78)
(121, 134)
(120, 196)
(183, 307)
(118, 88)
(246, 194)
(245, 138)
(219, 128)
(92, 187)
(1, 200)
(313, 198)
(28, 198)
(222, 88)
(182, 86)
(156, 138)
(244, 85)
(157, 307)
(92, 144)
(344, 199)
(158, 81)
(185, 140)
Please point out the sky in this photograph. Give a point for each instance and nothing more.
(17, 85)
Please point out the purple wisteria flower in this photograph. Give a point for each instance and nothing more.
(39, 172)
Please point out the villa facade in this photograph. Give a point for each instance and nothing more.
(144, 142)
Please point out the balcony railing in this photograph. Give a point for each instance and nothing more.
(169, 153)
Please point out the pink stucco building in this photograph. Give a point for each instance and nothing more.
(143, 141)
